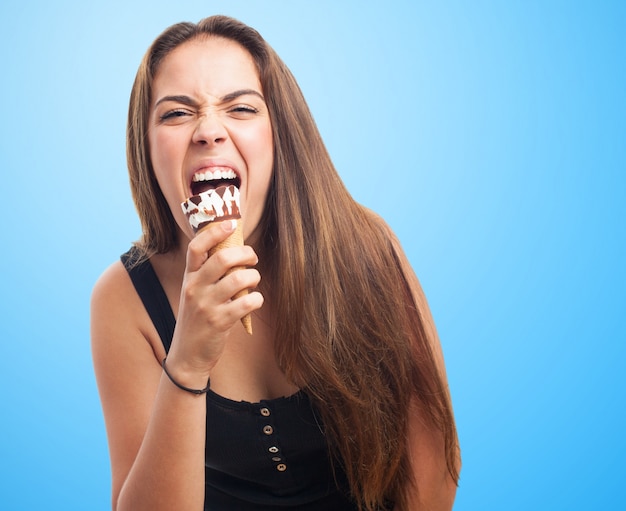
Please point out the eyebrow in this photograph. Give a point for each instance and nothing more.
(186, 100)
(242, 92)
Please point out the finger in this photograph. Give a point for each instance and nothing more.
(231, 257)
(199, 246)
(247, 304)
(236, 309)
(232, 284)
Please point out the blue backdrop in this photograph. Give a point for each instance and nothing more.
(498, 127)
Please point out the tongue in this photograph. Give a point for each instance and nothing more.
(203, 186)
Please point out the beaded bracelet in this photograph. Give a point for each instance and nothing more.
(197, 392)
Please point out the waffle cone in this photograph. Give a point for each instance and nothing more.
(234, 240)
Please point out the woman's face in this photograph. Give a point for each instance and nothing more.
(209, 124)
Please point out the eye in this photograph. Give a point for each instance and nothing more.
(173, 115)
(243, 111)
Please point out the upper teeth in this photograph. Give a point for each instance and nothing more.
(208, 175)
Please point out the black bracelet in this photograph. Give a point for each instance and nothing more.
(182, 387)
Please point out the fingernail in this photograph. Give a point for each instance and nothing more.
(229, 226)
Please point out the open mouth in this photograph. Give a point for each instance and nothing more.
(213, 178)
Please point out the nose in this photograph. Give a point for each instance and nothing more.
(209, 130)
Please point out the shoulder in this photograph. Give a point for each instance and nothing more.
(373, 217)
(112, 298)
(379, 224)
(415, 288)
(117, 313)
(112, 290)
(112, 277)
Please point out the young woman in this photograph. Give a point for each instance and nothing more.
(339, 399)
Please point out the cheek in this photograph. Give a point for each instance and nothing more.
(164, 165)
(254, 141)
(165, 161)
(262, 164)
(160, 151)
(262, 152)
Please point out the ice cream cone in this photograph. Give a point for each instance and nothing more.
(208, 209)
(234, 240)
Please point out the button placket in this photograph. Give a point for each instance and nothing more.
(268, 431)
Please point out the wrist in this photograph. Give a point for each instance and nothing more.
(186, 381)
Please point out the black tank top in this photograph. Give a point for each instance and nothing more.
(264, 456)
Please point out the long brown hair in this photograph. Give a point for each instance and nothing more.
(349, 329)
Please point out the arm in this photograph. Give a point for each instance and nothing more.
(156, 432)
(436, 488)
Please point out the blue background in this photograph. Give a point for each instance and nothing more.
(490, 135)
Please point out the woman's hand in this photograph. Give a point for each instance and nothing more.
(207, 311)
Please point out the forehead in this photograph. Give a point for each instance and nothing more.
(207, 65)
